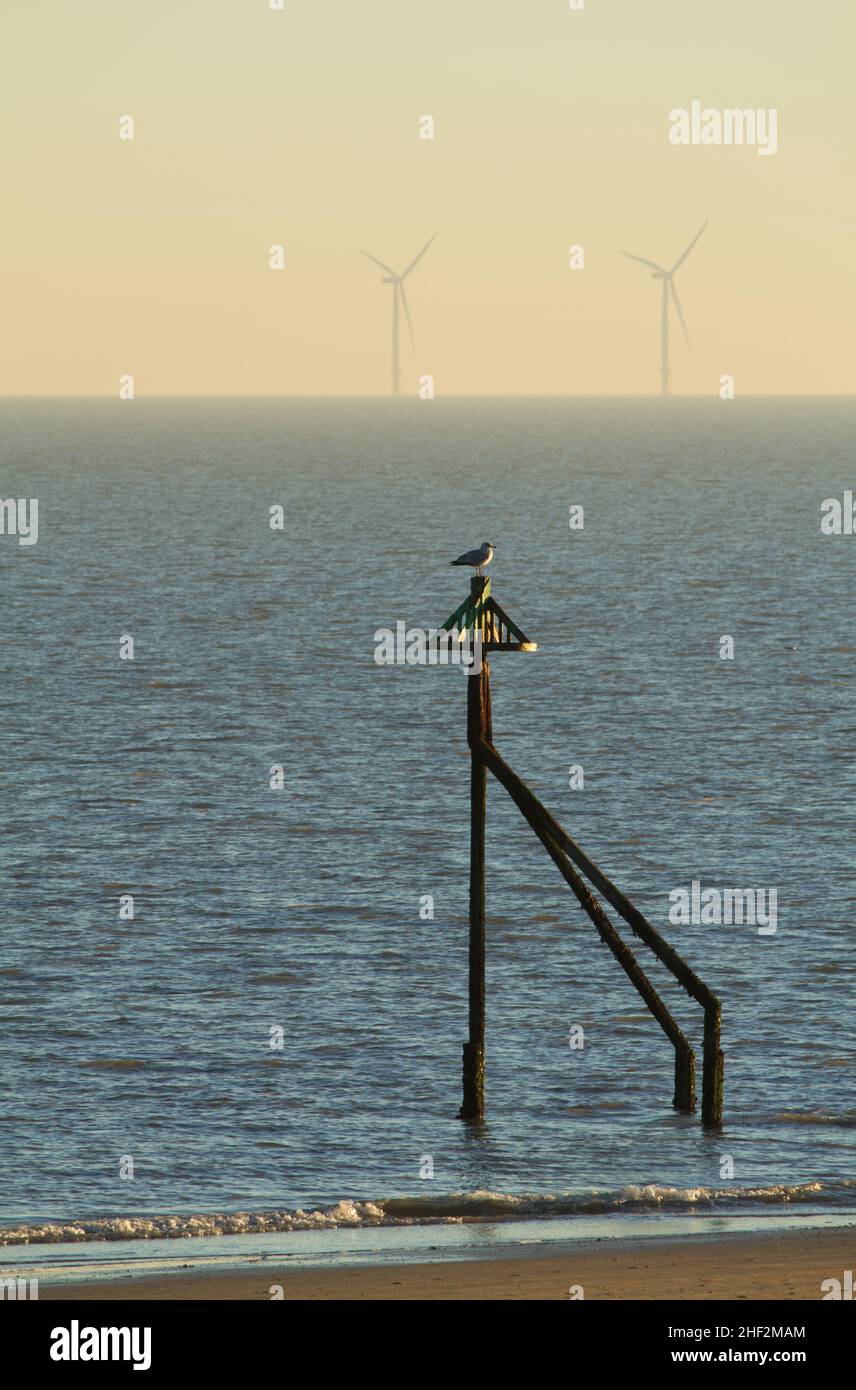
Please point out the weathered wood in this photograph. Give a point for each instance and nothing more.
(713, 1070)
(642, 928)
(481, 613)
(479, 728)
(498, 617)
(684, 1092)
(466, 609)
(713, 1060)
(510, 647)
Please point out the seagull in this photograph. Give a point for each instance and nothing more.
(479, 558)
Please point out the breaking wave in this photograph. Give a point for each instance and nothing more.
(456, 1207)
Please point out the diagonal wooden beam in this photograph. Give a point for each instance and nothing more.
(497, 611)
(684, 1097)
(541, 820)
(469, 609)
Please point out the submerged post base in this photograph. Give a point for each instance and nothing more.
(473, 1105)
(685, 1080)
(712, 1083)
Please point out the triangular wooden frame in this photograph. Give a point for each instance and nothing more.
(499, 632)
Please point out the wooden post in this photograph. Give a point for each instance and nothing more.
(713, 1070)
(478, 729)
(481, 612)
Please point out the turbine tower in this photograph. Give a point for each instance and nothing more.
(399, 297)
(660, 273)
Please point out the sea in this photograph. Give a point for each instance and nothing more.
(235, 847)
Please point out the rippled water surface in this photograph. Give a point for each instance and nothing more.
(300, 908)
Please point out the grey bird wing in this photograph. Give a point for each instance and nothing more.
(469, 557)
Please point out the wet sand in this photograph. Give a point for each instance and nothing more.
(775, 1265)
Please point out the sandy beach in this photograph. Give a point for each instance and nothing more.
(776, 1265)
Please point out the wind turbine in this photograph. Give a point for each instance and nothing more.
(399, 296)
(660, 273)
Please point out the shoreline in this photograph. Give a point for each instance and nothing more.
(774, 1265)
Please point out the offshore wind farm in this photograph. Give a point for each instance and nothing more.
(669, 291)
(399, 302)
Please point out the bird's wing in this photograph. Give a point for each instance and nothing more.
(469, 557)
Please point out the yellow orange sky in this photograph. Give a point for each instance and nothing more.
(257, 126)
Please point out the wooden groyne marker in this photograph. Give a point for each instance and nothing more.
(481, 613)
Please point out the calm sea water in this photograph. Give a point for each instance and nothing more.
(300, 908)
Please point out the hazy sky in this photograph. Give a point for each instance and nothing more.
(301, 126)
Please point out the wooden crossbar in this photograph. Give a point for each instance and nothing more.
(551, 833)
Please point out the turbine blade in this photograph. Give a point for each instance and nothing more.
(400, 288)
(682, 258)
(680, 311)
(642, 261)
(418, 258)
(382, 264)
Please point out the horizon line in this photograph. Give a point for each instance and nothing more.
(450, 395)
